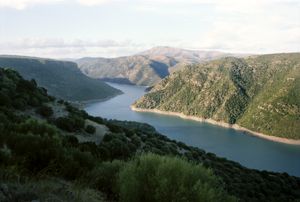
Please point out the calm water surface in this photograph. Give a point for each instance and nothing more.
(250, 151)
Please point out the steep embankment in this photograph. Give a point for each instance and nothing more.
(260, 93)
(61, 79)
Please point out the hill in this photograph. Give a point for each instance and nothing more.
(145, 68)
(260, 93)
(62, 79)
(52, 150)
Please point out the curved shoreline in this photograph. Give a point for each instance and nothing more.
(219, 123)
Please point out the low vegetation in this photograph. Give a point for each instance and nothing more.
(41, 155)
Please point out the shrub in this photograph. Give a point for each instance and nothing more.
(155, 178)
(70, 123)
(45, 111)
(76, 163)
(33, 101)
(26, 86)
(70, 140)
(90, 129)
(37, 128)
(35, 152)
(19, 103)
(104, 177)
(4, 99)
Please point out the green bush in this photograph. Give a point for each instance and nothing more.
(4, 99)
(45, 111)
(37, 128)
(70, 123)
(70, 141)
(75, 163)
(34, 152)
(104, 177)
(19, 103)
(159, 178)
(90, 129)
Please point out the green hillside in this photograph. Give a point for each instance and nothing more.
(61, 79)
(261, 93)
(51, 151)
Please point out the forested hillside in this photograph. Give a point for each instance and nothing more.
(52, 151)
(261, 93)
(61, 79)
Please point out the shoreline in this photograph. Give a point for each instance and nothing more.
(222, 124)
(84, 103)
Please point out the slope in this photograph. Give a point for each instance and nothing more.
(260, 93)
(42, 159)
(61, 79)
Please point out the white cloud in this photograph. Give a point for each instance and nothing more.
(60, 48)
(93, 2)
(268, 26)
(59, 42)
(263, 26)
(22, 4)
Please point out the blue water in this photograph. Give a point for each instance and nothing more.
(250, 151)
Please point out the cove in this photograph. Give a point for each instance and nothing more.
(250, 151)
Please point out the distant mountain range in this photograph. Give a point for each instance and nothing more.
(62, 79)
(145, 68)
(260, 93)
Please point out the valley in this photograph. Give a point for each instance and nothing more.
(49, 148)
(250, 151)
(149, 101)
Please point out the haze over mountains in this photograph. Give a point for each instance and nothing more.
(61, 78)
(145, 68)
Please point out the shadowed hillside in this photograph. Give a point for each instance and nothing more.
(61, 79)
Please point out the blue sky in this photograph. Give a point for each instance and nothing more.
(111, 28)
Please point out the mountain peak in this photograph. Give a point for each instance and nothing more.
(184, 55)
(163, 50)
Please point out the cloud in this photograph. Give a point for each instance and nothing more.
(60, 48)
(263, 26)
(93, 2)
(256, 27)
(22, 4)
(59, 42)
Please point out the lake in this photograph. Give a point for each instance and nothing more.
(250, 151)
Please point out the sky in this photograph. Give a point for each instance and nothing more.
(112, 28)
